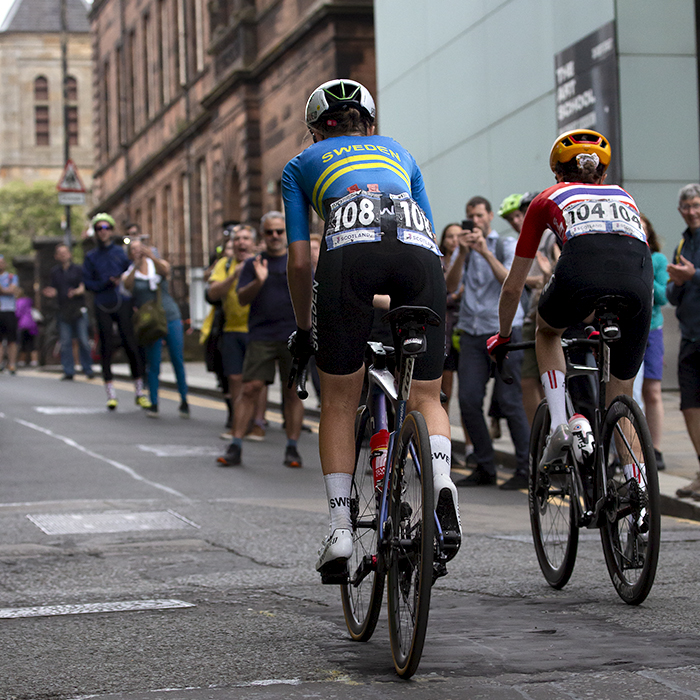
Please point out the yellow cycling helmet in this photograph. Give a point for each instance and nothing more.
(573, 143)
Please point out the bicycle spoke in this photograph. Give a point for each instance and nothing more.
(362, 596)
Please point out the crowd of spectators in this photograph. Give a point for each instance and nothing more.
(251, 318)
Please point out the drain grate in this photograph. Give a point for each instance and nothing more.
(92, 523)
(85, 608)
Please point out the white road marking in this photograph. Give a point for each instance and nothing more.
(181, 450)
(118, 465)
(67, 410)
(84, 608)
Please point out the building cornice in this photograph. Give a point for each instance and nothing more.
(145, 169)
(258, 67)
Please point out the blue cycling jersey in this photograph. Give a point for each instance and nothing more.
(337, 166)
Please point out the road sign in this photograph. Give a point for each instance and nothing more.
(70, 180)
(70, 198)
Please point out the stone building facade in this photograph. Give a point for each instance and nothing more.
(199, 105)
(31, 94)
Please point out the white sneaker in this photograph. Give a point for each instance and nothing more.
(447, 510)
(333, 555)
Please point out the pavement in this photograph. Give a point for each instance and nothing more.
(681, 460)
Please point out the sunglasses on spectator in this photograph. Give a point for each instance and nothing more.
(278, 231)
(106, 227)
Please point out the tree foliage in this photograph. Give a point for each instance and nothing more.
(29, 211)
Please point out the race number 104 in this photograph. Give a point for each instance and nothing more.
(602, 211)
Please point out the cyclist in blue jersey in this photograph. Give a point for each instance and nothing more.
(378, 240)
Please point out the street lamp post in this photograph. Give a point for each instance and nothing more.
(66, 136)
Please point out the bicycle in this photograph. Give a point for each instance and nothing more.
(617, 491)
(396, 533)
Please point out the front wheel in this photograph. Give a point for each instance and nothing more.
(552, 513)
(631, 529)
(362, 595)
(412, 518)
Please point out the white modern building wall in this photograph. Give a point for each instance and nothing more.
(468, 86)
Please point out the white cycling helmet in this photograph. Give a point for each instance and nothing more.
(335, 93)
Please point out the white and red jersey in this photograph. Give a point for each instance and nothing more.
(573, 209)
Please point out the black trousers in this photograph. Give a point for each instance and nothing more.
(120, 315)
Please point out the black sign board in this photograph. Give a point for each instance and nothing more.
(587, 93)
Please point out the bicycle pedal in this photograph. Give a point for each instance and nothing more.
(335, 573)
(439, 570)
(451, 542)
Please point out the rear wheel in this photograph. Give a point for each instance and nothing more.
(552, 515)
(362, 595)
(410, 569)
(631, 530)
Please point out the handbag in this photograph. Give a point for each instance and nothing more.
(150, 323)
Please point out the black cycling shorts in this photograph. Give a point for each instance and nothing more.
(345, 283)
(596, 265)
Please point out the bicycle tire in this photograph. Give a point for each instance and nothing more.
(410, 568)
(362, 599)
(631, 529)
(552, 514)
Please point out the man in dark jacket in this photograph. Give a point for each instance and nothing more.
(102, 271)
(68, 290)
(683, 291)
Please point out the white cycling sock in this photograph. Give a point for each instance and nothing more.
(441, 450)
(338, 487)
(555, 393)
(138, 386)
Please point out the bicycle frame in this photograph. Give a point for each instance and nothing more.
(382, 388)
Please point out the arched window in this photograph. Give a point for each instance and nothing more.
(41, 111)
(72, 109)
(41, 89)
(71, 89)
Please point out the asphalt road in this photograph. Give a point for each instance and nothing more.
(132, 567)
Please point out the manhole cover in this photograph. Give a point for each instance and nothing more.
(91, 523)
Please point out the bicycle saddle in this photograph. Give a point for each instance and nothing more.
(408, 324)
(607, 311)
(407, 315)
(612, 304)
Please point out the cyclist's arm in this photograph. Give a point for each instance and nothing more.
(511, 292)
(299, 273)
(420, 195)
(299, 278)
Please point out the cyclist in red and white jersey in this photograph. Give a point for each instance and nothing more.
(604, 252)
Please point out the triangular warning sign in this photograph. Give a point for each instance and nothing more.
(70, 180)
